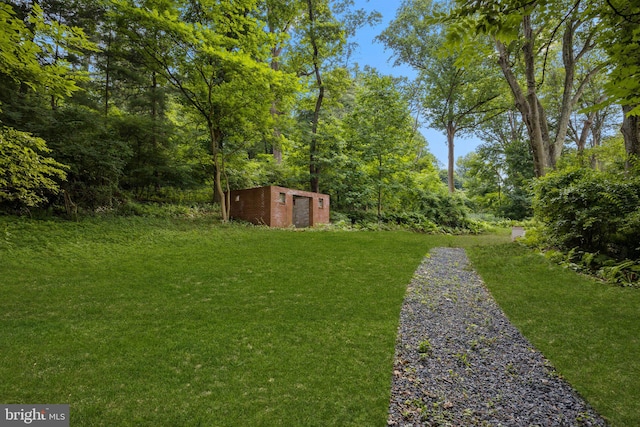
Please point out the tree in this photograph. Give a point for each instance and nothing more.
(593, 121)
(526, 34)
(317, 54)
(216, 59)
(33, 51)
(621, 36)
(281, 18)
(380, 133)
(321, 41)
(499, 173)
(457, 95)
(30, 51)
(482, 177)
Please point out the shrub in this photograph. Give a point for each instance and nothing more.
(592, 211)
(449, 211)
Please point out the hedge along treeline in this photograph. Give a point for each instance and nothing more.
(593, 216)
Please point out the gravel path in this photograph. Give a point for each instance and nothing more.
(459, 362)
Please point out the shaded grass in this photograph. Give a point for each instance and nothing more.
(587, 329)
(158, 322)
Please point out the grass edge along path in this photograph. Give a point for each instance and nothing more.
(588, 330)
(154, 322)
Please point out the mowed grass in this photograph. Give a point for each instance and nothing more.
(158, 322)
(589, 330)
(177, 322)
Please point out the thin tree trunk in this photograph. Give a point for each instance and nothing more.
(154, 108)
(581, 143)
(215, 137)
(314, 167)
(277, 150)
(107, 75)
(379, 188)
(451, 132)
(276, 51)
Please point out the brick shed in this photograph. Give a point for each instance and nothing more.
(280, 207)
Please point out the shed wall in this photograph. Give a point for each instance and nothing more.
(253, 205)
(273, 206)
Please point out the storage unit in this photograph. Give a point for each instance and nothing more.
(280, 207)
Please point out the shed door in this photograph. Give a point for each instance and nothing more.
(301, 211)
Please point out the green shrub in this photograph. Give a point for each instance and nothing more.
(162, 210)
(592, 211)
(590, 222)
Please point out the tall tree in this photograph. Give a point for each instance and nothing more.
(281, 18)
(456, 95)
(621, 36)
(216, 57)
(499, 172)
(526, 35)
(380, 133)
(32, 51)
(318, 55)
(321, 41)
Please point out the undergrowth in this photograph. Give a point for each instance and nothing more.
(624, 272)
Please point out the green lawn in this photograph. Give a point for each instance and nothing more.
(134, 322)
(175, 322)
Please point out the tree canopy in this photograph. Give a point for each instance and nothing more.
(129, 100)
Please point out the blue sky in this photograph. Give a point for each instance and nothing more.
(373, 53)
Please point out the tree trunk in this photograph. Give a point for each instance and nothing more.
(276, 51)
(581, 143)
(277, 150)
(107, 75)
(154, 109)
(528, 110)
(451, 132)
(546, 151)
(568, 61)
(535, 111)
(215, 136)
(379, 188)
(631, 132)
(314, 167)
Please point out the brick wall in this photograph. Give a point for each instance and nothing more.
(273, 206)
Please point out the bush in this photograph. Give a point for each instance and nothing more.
(592, 211)
(414, 221)
(591, 223)
(446, 210)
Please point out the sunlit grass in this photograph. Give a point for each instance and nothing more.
(172, 322)
(135, 322)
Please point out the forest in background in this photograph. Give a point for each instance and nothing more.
(104, 104)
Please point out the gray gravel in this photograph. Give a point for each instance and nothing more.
(460, 362)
